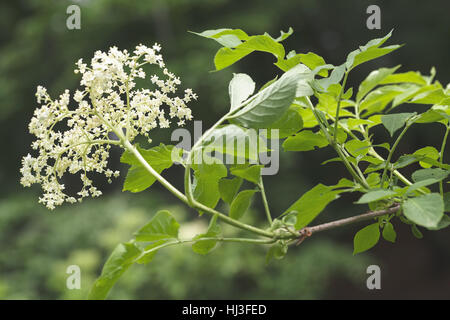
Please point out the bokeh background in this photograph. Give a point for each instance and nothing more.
(36, 245)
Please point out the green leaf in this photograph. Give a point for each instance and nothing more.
(311, 203)
(411, 77)
(444, 223)
(369, 52)
(162, 226)
(410, 92)
(226, 37)
(227, 56)
(403, 161)
(385, 146)
(393, 122)
(304, 141)
(435, 173)
(389, 233)
(433, 115)
(371, 160)
(416, 232)
(309, 120)
(353, 124)
(373, 179)
(150, 251)
(289, 219)
(344, 183)
(376, 195)
(276, 251)
(241, 203)
(447, 202)
(424, 160)
(240, 88)
(338, 159)
(160, 158)
(366, 238)
(251, 173)
(206, 182)
(348, 94)
(205, 246)
(357, 147)
(373, 53)
(118, 262)
(426, 210)
(372, 80)
(310, 59)
(336, 76)
(270, 104)
(430, 97)
(283, 35)
(377, 100)
(236, 141)
(375, 119)
(429, 152)
(341, 136)
(328, 101)
(228, 188)
(268, 83)
(290, 123)
(417, 185)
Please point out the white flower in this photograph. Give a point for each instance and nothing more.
(41, 94)
(107, 85)
(78, 96)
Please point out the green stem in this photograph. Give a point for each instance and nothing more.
(336, 121)
(183, 241)
(190, 202)
(265, 202)
(350, 133)
(355, 166)
(153, 172)
(336, 147)
(194, 204)
(397, 173)
(232, 221)
(187, 171)
(375, 154)
(391, 152)
(441, 157)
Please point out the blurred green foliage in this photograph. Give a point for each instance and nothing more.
(37, 246)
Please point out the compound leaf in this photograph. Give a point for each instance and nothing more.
(426, 210)
(366, 238)
(241, 203)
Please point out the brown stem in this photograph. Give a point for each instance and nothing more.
(308, 231)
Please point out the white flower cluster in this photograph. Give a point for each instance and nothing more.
(109, 105)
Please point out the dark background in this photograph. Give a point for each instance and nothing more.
(36, 245)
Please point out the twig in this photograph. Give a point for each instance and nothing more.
(264, 198)
(308, 231)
